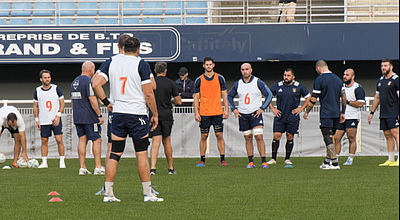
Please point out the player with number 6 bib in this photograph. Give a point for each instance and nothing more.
(250, 90)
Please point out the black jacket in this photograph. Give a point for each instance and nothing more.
(187, 92)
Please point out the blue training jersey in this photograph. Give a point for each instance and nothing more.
(328, 87)
(83, 112)
(388, 90)
(288, 98)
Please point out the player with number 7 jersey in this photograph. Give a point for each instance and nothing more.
(250, 90)
(131, 90)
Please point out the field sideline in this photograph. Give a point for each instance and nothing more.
(362, 191)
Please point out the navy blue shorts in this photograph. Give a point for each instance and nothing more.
(329, 123)
(164, 128)
(248, 121)
(92, 131)
(215, 121)
(348, 123)
(388, 123)
(109, 127)
(291, 126)
(45, 130)
(136, 126)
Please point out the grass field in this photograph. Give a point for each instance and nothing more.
(362, 191)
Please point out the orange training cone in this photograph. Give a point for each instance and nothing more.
(55, 199)
(53, 193)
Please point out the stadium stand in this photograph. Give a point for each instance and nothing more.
(4, 9)
(157, 12)
(87, 9)
(108, 8)
(43, 9)
(41, 21)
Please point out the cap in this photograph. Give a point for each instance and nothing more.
(182, 71)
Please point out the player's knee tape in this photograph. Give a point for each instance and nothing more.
(327, 134)
(258, 131)
(205, 130)
(118, 146)
(115, 157)
(218, 128)
(141, 144)
(245, 133)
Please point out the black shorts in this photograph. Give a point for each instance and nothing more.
(207, 121)
(136, 126)
(248, 121)
(348, 123)
(164, 128)
(92, 131)
(388, 123)
(291, 126)
(45, 130)
(11, 130)
(109, 127)
(329, 123)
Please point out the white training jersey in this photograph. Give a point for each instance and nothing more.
(126, 75)
(250, 96)
(354, 93)
(4, 111)
(48, 103)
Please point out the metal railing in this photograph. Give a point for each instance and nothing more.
(208, 12)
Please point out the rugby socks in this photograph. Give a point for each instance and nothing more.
(289, 149)
(250, 158)
(62, 159)
(203, 158)
(263, 159)
(327, 161)
(275, 147)
(335, 162)
(44, 160)
(351, 156)
(146, 188)
(222, 156)
(109, 188)
(391, 156)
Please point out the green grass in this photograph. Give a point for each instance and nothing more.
(362, 191)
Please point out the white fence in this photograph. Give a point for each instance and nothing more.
(186, 136)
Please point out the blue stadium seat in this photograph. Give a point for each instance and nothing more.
(201, 7)
(85, 21)
(151, 20)
(3, 21)
(66, 8)
(108, 8)
(64, 21)
(87, 8)
(174, 8)
(152, 8)
(43, 8)
(4, 9)
(19, 21)
(131, 8)
(172, 20)
(195, 20)
(21, 9)
(107, 21)
(41, 21)
(130, 21)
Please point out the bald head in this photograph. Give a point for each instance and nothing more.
(88, 68)
(348, 76)
(321, 66)
(350, 71)
(246, 70)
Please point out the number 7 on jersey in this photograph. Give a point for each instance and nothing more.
(123, 83)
